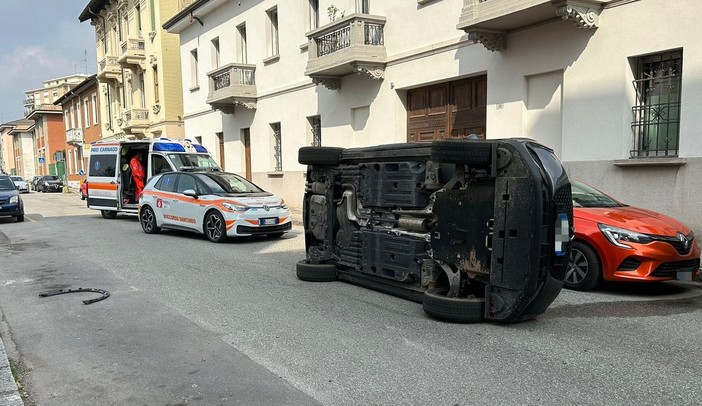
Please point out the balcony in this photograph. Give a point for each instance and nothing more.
(29, 102)
(109, 69)
(353, 44)
(489, 21)
(135, 121)
(230, 85)
(133, 53)
(74, 136)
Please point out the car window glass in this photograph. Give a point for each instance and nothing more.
(6, 184)
(586, 196)
(159, 164)
(229, 183)
(186, 182)
(167, 182)
(102, 165)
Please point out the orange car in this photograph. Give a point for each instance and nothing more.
(617, 242)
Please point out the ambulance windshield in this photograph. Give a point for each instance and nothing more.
(193, 161)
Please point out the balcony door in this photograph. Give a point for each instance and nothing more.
(447, 110)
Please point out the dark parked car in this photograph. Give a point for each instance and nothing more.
(472, 229)
(50, 183)
(10, 200)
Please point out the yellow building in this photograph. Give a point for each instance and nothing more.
(138, 68)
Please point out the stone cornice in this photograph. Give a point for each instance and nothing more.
(492, 40)
(372, 71)
(585, 15)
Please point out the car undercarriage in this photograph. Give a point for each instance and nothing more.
(472, 229)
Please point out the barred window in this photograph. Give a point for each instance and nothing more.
(656, 115)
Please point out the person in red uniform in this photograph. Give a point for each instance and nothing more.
(138, 174)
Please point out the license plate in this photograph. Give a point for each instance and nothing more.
(268, 222)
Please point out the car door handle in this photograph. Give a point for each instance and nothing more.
(112, 182)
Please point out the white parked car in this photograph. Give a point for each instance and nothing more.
(217, 204)
(21, 184)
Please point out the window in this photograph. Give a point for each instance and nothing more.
(167, 182)
(137, 15)
(142, 86)
(656, 115)
(273, 43)
(363, 6)
(193, 69)
(72, 117)
(156, 90)
(242, 52)
(159, 164)
(186, 182)
(102, 165)
(86, 113)
(215, 53)
(313, 15)
(95, 114)
(79, 118)
(66, 120)
(277, 147)
(314, 131)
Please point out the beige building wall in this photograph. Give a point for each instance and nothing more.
(138, 69)
(566, 85)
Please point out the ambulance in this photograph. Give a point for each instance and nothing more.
(110, 187)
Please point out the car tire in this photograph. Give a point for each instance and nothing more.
(108, 214)
(453, 309)
(309, 272)
(319, 155)
(275, 235)
(147, 218)
(584, 268)
(214, 227)
(20, 218)
(470, 152)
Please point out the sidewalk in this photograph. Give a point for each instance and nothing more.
(9, 395)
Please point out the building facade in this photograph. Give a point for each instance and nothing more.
(13, 135)
(81, 120)
(49, 140)
(50, 91)
(613, 97)
(138, 68)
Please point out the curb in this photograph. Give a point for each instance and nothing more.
(9, 395)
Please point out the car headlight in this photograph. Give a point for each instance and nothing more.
(235, 207)
(618, 236)
(283, 205)
(14, 200)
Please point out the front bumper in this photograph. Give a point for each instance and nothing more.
(11, 210)
(253, 223)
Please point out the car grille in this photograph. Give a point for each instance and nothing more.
(682, 247)
(263, 229)
(669, 269)
(564, 203)
(629, 264)
(3, 200)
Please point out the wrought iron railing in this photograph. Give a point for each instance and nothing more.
(278, 152)
(656, 130)
(233, 75)
(347, 35)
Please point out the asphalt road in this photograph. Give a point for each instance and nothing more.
(193, 322)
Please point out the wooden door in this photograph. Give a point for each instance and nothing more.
(220, 138)
(447, 110)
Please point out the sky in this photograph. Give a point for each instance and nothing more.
(41, 40)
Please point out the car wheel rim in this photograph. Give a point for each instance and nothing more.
(147, 219)
(577, 267)
(214, 227)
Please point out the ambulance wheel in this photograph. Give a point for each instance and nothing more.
(147, 218)
(215, 228)
(108, 214)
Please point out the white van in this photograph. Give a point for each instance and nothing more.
(110, 187)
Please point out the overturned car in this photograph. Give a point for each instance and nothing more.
(473, 229)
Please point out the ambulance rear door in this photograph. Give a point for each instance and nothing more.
(103, 173)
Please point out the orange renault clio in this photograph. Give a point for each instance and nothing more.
(617, 242)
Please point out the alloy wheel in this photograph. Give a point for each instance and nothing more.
(214, 227)
(147, 220)
(578, 267)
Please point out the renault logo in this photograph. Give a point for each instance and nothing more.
(685, 242)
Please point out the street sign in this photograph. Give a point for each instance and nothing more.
(41, 160)
(81, 172)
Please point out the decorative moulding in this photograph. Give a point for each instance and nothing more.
(583, 14)
(492, 40)
(372, 71)
(328, 82)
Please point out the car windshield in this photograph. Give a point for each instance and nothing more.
(16, 178)
(587, 196)
(228, 183)
(50, 177)
(7, 184)
(193, 161)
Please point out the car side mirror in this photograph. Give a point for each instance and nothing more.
(191, 193)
